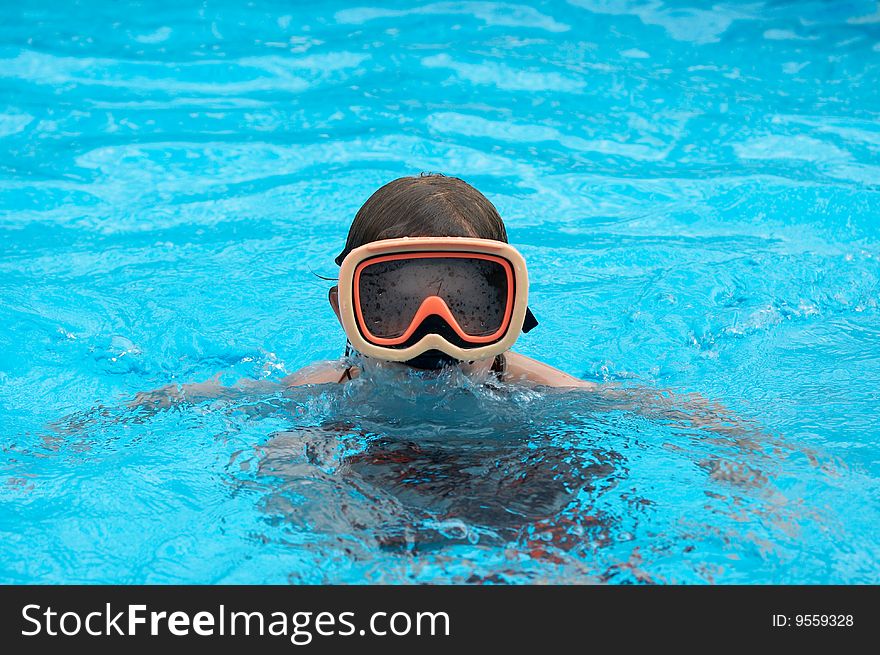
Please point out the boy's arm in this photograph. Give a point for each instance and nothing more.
(688, 409)
(193, 392)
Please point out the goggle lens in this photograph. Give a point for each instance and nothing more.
(476, 289)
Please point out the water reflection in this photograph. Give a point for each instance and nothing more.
(416, 469)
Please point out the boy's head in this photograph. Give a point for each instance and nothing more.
(427, 205)
(445, 287)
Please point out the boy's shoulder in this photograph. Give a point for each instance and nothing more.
(317, 373)
(519, 368)
(525, 369)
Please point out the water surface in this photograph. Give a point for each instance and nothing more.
(696, 192)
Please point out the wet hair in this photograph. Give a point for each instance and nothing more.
(426, 205)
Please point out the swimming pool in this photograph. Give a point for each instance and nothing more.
(697, 193)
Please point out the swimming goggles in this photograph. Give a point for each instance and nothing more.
(467, 298)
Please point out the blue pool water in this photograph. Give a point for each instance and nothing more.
(697, 192)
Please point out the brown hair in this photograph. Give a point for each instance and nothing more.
(427, 205)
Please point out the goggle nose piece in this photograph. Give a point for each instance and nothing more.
(433, 317)
(436, 324)
(435, 306)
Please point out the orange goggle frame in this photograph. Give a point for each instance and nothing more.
(473, 347)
